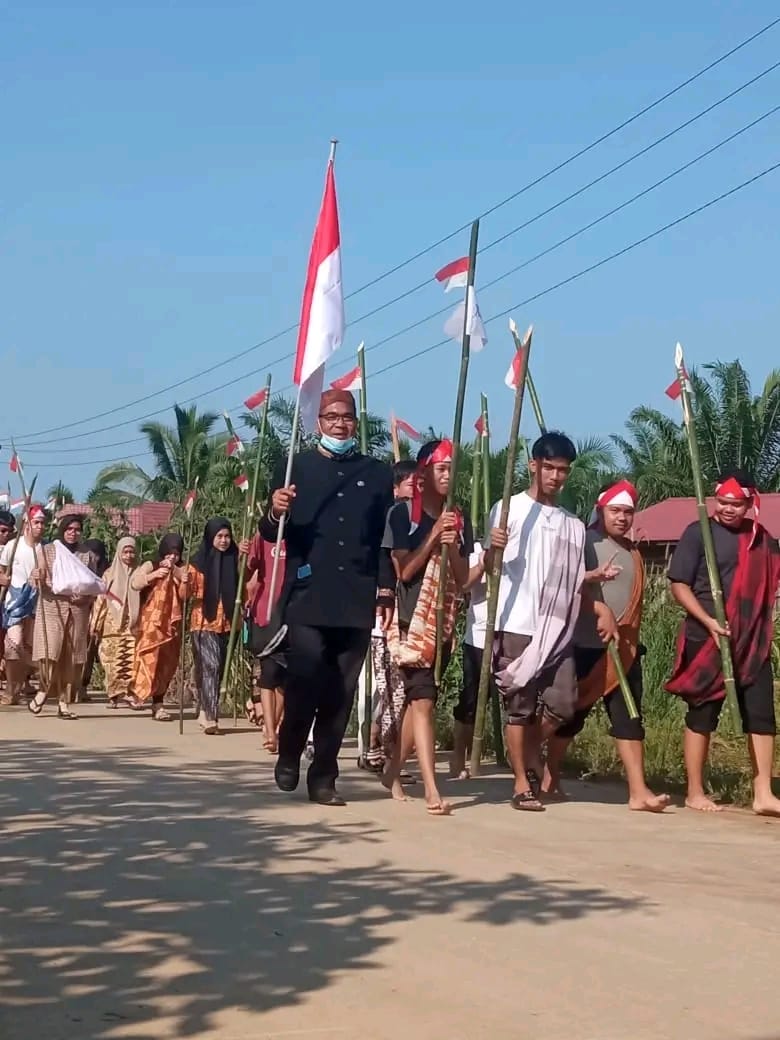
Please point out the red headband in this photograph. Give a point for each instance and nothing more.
(441, 453)
(35, 511)
(621, 494)
(731, 488)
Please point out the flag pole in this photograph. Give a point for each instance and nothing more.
(249, 513)
(530, 385)
(364, 451)
(185, 603)
(280, 531)
(456, 433)
(494, 577)
(716, 586)
(394, 439)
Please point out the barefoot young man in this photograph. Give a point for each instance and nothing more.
(419, 530)
(749, 564)
(616, 575)
(539, 597)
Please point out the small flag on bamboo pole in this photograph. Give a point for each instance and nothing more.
(234, 446)
(350, 381)
(256, 399)
(409, 430)
(189, 501)
(13, 465)
(242, 482)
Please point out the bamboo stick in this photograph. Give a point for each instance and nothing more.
(532, 394)
(456, 433)
(476, 487)
(185, 562)
(494, 579)
(716, 586)
(249, 513)
(487, 501)
(43, 671)
(15, 546)
(394, 439)
(364, 451)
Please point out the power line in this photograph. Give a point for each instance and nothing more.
(574, 277)
(427, 249)
(505, 274)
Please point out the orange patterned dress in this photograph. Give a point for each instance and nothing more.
(159, 634)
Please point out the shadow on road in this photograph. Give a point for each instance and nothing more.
(137, 895)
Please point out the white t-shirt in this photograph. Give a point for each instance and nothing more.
(24, 562)
(476, 615)
(530, 530)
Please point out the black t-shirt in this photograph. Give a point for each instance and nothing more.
(398, 524)
(689, 566)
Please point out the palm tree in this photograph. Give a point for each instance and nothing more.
(181, 453)
(60, 494)
(735, 428)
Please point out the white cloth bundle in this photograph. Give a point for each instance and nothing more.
(71, 577)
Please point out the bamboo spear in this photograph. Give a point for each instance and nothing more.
(612, 649)
(476, 487)
(494, 578)
(364, 451)
(185, 603)
(456, 432)
(249, 514)
(394, 439)
(43, 669)
(487, 503)
(706, 533)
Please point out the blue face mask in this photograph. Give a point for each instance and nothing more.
(336, 447)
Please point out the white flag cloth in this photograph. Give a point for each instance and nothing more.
(322, 311)
(453, 326)
(311, 392)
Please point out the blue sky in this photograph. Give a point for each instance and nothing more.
(163, 164)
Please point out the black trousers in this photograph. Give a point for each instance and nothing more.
(323, 666)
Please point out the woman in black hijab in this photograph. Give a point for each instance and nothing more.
(213, 586)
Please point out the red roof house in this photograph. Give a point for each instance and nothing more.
(143, 519)
(657, 529)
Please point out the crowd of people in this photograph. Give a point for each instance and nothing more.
(360, 554)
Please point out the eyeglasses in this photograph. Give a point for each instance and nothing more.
(337, 417)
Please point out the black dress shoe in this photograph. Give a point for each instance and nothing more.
(287, 776)
(326, 796)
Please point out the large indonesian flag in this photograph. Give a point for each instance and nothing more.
(322, 311)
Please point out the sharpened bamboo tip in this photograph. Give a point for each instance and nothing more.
(512, 326)
(678, 355)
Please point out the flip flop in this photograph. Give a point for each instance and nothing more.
(527, 802)
(34, 706)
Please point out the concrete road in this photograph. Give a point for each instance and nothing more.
(158, 886)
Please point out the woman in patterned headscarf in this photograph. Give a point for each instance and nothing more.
(115, 620)
(162, 583)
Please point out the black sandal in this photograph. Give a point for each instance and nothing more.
(534, 782)
(527, 801)
(65, 713)
(35, 707)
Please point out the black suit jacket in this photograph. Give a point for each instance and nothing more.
(333, 536)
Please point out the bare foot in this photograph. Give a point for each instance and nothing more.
(767, 806)
(464, 774)
(271, 745)
(394, 786)
(701, 803)
(649, 802)
(439, 808)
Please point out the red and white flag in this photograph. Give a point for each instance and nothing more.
(674, 389)
(234, 446)
(480, 426)
(256, 399)
(17, 505)
(512, 377)
(242, 482)
(467, 316)
(454, 275)
(322, 311)
(51, 505)
(13, 465)
(409, 430)
(350, 381)
(189, 501)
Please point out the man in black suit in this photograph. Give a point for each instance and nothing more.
(337, 578)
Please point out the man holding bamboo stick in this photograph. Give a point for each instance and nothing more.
(616, 575)
(21, 597)
(337, 576)
(748, 561)
(540, 590)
